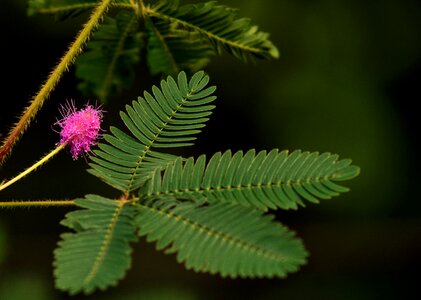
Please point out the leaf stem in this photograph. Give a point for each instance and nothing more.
(66, 61)
(105, 245)
(37, 203)
(33, 167)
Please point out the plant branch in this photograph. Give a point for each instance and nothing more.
(37, 203)
(67, 60)
(33, 167)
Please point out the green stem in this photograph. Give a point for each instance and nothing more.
(33, 167)
(38, 203)
(67, 60)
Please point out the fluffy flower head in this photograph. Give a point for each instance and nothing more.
(79, 128)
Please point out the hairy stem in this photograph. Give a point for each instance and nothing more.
(37, 203)
(33, 167)
(66, 61)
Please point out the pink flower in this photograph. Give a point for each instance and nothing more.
(79, 129)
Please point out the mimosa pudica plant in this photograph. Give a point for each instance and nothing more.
(213, 213)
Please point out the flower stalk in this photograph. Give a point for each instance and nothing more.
(33, 167)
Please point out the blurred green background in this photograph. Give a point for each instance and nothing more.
(347, 82)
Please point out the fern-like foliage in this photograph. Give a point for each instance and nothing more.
(222, 238)
(97, 255)
(220, 26)
(212, 214)
(167, 118)
(107, 66)
(263, 180)
(171, 50)
(177, 38)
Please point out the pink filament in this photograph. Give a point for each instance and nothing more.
(79, 129)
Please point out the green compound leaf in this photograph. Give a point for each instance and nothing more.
(220, 26)
(98, 253)
(107, 66)
(169, 117)
(263, 180)
(222, 238)
(178, 38)
(171, 50)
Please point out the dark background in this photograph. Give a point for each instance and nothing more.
(347, 82)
